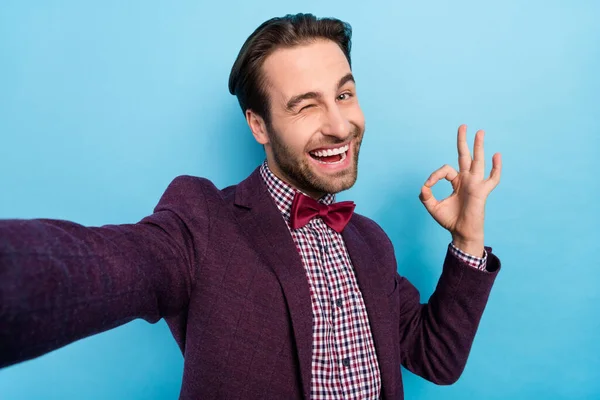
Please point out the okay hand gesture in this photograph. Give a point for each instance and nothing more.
(462, 213)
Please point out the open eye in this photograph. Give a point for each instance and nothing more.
(344, 96)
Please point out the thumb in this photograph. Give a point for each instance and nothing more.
(427, 198)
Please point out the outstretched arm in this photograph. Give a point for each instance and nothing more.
(60, 281)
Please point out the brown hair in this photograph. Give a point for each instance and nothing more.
(246, 80)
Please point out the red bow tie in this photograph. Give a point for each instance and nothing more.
(305, 208)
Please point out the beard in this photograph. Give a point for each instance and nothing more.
(298, 170)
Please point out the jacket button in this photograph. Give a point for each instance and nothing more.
(339, 302)
(346, 362)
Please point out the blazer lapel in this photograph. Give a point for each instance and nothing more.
(267, 229)
(377, 304)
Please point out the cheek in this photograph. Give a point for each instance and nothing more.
(353, 114)
(300, 132)
(295, 136)
(300, 139)
(357, 117)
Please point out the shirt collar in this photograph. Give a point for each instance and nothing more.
(283, 193)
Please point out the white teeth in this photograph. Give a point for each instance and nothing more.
(330, 152)
(335, 162)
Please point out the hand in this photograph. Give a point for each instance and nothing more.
(462, 213)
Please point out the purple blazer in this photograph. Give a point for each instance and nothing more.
(221, 267)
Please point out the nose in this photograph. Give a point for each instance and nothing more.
(335, 123)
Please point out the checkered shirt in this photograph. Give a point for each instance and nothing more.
(344, 363)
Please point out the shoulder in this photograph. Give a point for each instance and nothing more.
(193, 183)
(190, 192)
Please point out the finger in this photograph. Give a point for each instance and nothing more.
(428, 199)
(495, 173)
(478, 164)
(464, 156)
(444, 172)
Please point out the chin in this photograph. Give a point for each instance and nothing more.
(335, 183)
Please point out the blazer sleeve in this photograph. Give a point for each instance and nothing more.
(436, 337)
(61, 281)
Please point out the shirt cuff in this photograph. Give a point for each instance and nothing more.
(476, 262)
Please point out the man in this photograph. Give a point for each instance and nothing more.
(270, 288)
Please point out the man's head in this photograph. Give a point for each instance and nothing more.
(294, 83)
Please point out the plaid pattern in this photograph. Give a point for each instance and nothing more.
(476, 262)
(344, 363)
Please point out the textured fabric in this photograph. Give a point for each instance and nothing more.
(305, 208)
(221, 267)
(344, 363)
(475, 262)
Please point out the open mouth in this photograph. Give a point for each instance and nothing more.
(330, 156)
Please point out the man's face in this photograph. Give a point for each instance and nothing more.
(316, 122)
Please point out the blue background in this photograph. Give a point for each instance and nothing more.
(102, 104)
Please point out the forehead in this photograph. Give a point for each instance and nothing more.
(315, 66)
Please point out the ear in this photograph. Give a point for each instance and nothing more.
(257, 126)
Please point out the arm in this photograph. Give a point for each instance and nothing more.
(436, 338)
(60, 281)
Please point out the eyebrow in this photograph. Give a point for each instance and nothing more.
(295, 100)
